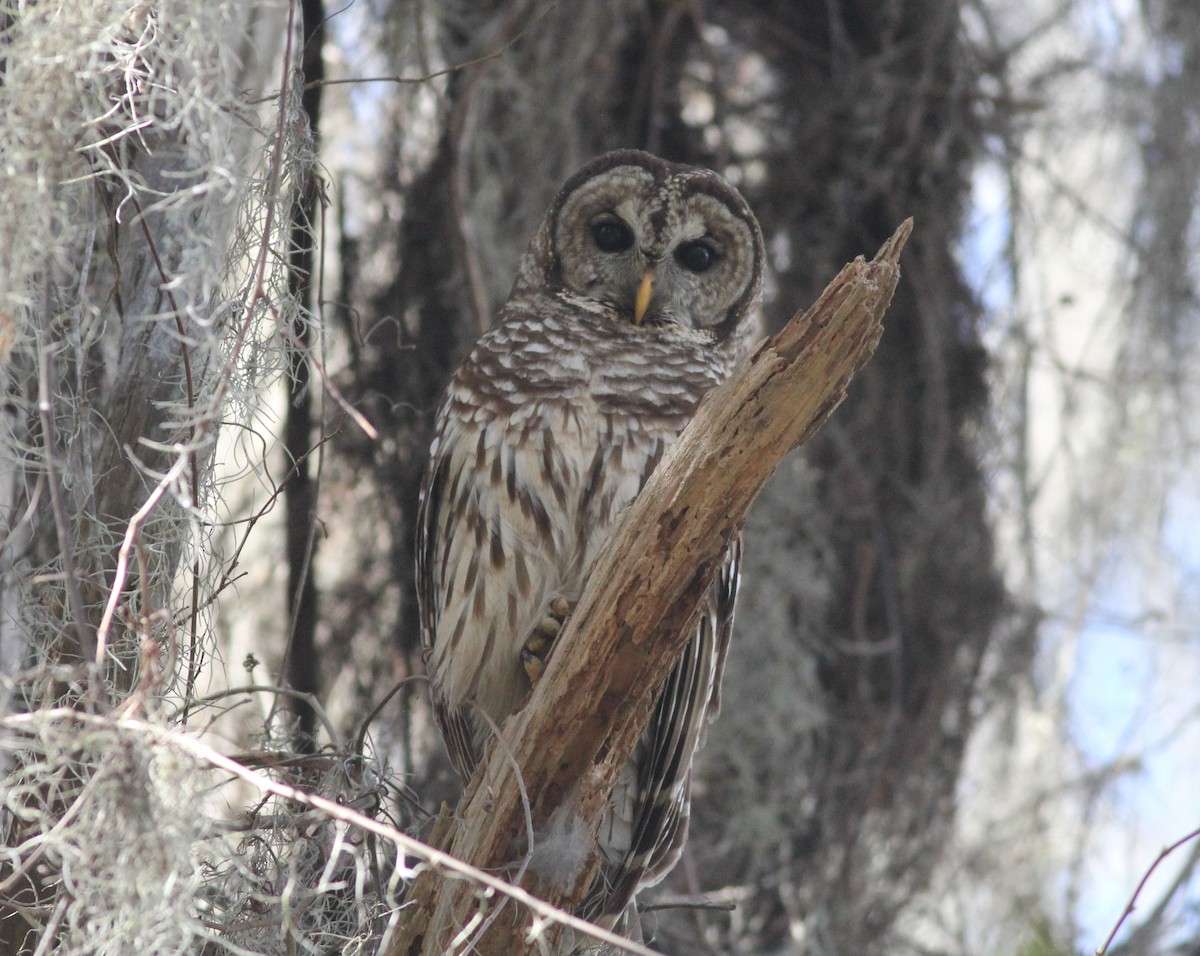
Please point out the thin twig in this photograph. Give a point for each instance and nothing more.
(330, 386)
(193, 455)
(417, 80)
(127, 545)
(310, 699)
(716, 906)
(85, 640)
(1132, 904)
(430, 856)
(359, 740)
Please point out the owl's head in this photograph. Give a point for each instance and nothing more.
(656, 244)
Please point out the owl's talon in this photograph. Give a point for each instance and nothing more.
(533, 658)
(537, 648)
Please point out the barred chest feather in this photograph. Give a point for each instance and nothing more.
(550, 429)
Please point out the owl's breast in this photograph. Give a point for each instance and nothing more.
(550, 429)
(601, 407)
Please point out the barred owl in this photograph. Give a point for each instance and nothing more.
(637, 296)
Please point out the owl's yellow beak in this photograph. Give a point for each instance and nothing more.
(641, 301)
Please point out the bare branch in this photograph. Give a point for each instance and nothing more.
(1132, 904)
(633, 619)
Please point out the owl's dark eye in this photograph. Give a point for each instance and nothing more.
(612, 236)
(696, 256)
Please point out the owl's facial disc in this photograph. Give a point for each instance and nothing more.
(664, 250)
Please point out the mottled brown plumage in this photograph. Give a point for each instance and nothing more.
(549, 428)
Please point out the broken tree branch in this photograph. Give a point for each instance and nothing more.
(634, 618)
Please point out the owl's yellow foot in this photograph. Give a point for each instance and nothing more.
(536, 651)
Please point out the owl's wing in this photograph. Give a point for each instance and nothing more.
(440, 517)
(690, 700)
